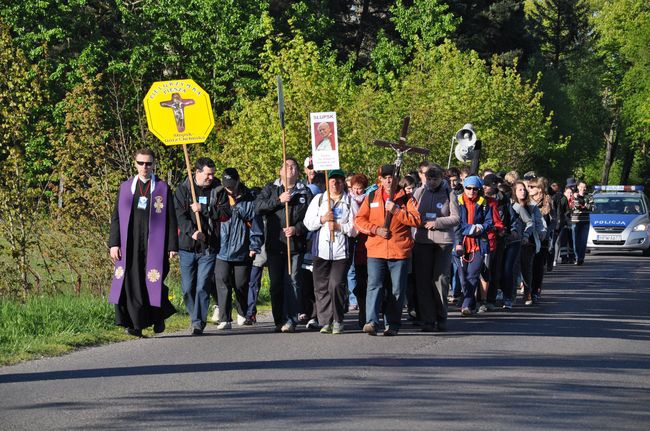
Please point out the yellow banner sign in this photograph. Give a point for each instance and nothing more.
(179, 112)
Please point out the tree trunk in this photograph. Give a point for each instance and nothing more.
(628, 158)
(611, 142)
(61, 190)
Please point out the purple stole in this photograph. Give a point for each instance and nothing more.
(156, 241)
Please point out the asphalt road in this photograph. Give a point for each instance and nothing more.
(578, 361)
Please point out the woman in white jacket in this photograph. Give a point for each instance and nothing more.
(331, 253)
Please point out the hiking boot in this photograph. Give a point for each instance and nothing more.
(369, 328)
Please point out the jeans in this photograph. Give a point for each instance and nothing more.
(580, 234)
(378, 269)
(352, 284)
(469, 273)
(285, 288)
(254, 285)
(196, 270)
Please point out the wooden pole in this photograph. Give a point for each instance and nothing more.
(191, 180)
(286, 204)
(329, 206)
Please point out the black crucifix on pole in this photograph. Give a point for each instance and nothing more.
(400, 149)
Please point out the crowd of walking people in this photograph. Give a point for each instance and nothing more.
(442, 240)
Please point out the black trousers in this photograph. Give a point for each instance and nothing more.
(231, 276)
(496, 267)
(330, 289)
(431, 267)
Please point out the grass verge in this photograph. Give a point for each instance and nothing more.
(51, 325)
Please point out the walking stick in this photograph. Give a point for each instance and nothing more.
(284, 165)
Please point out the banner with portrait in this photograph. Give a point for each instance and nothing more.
(324, 141)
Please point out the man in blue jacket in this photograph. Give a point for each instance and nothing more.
(242, 237)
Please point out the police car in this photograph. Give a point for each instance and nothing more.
(620, 219)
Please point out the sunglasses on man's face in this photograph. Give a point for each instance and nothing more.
(143, 163)
(474, 189)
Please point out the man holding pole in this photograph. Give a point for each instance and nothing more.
(284, 204)
(198, 248)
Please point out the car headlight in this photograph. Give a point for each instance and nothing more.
(640, 227)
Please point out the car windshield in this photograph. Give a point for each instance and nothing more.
(618, 205)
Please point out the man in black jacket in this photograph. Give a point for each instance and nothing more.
(198, 249)
(270, 203)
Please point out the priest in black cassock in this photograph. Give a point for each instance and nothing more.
(143, 238)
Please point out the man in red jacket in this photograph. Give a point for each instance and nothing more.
(388, 250)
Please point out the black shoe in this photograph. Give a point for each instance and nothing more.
(195, 330)
(133, 332)
(580, 262)
(159, 327)
(441, 326)
(248, 322)
(388, 332)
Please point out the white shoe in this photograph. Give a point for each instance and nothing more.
(240, 320)
(215, 314)
(224, 325)
(312, 325)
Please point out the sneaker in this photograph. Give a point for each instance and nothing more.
(224, 325)
(240, 320)
(195, 330)
(248, 322)
(337, 328)
(215, 314)
(507, 304)
(159, 328)
(326, 329)
(536, 298)
(369, 328)
(389, 332)
(288, 328)
(529, 300)
(483, 308)
(312, 325)
(465, 312)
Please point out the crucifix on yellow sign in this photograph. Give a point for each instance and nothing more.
(179, 113)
